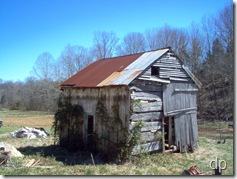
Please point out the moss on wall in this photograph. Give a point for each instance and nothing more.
(68, 123)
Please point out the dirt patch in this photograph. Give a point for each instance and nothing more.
(178, 155)
(39, 121)
(201, 152)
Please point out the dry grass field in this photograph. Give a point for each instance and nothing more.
(53, 160)
(26, 118)
(39, 121)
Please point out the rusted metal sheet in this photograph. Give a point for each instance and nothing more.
(144, 61)
(98, 71)
(194, 170)
(114, 71)
(116, 75)
(109, 80)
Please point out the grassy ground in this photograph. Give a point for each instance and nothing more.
(53, 160)
(15, 118)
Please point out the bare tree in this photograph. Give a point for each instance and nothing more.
(104, 44)
(217, 69)
(151, 38)
(195, 49)
(224, 25)
(225, 33)
(72, 59)
(132, 43)
(59, 73)
(162, 37)
(43, 67)
(168, 37)
(67, 61)
(45, 92)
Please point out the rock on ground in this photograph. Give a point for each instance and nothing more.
(9, 148)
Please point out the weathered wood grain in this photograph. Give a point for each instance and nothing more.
(149, 137)
(148, 95)
(148, 147)
(148, 126)
(146, 116)
(186, 131)
(167, 65)
(146, 106)
(180, 110)
(167, 74)
(147, 88)
(178, 100)
(185, 90)
(180, 79)
(108, 130)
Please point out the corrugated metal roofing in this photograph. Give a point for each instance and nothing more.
(135, 68)
(114, 71)
(98, 71)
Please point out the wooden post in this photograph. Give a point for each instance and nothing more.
(170, 131)
(163, 136)
(85, 130)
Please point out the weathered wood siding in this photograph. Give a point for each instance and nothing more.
(171, 92)
(175, 95)
(180, 102)
(146, 106)
(186, 131)
(179, 96)
(169, 67)
(109, 132)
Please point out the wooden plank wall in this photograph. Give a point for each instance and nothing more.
(147, 101)
(186, 131)
(110, 134)
(180, 101)
(158, 100)
(183, 98)
(146, 106)
(170, 67)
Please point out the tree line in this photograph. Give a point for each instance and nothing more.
(207, 48)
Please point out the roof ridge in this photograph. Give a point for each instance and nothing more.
(135, 53)
(121, 56)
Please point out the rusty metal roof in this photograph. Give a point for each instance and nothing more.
(98, 71)
(114, 71)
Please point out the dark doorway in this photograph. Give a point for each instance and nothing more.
(90, 124)
(89, 132)
(169, 131)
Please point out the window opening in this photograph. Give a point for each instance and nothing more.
(154, 71)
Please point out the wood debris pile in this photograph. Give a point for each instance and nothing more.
(35, 163)
(194, 170)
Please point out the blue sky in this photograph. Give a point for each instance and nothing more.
(31, 27)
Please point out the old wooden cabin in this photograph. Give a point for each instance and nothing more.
(116, 94)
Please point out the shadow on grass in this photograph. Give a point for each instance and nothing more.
(63, 155)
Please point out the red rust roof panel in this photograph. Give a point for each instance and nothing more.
(98, 71)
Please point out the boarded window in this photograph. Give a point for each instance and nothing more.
(90, 124)
(154, 71)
